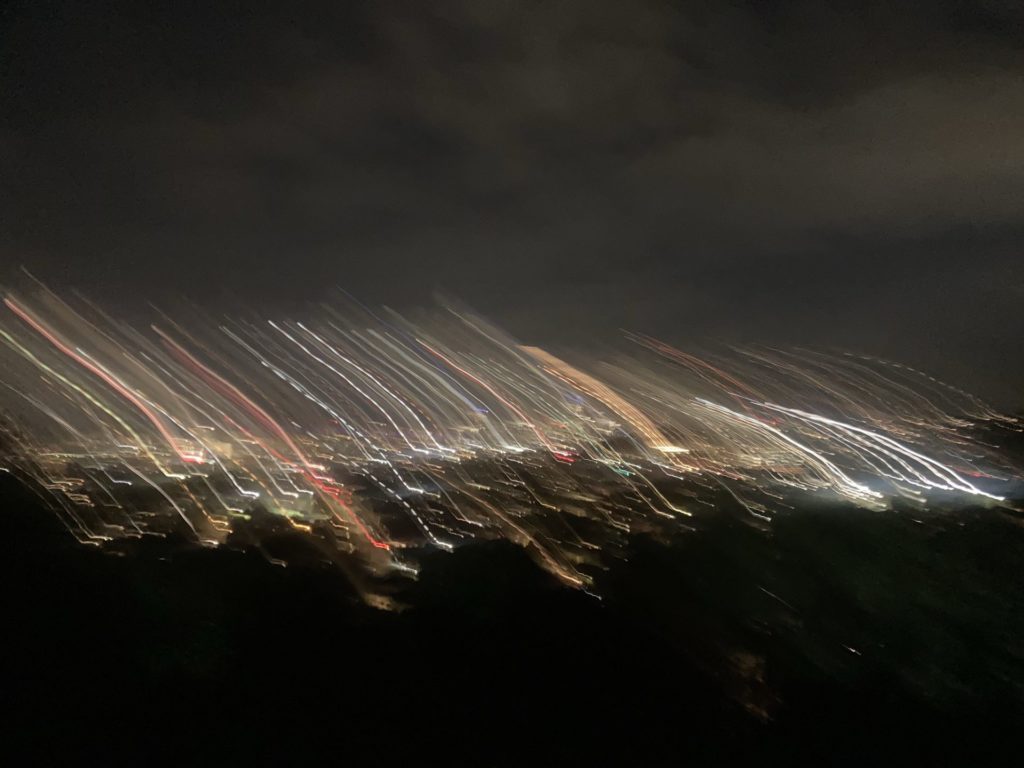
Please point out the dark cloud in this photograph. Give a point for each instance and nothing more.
(795, 172)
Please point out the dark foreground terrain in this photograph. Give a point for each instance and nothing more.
(834, 636)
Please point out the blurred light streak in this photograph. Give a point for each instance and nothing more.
(375, 441)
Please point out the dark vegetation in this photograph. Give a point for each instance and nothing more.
(833, 637)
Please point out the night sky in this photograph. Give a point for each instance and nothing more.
(841, 174)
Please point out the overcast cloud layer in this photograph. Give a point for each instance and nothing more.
(776, 172)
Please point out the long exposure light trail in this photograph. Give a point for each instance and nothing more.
(378, 440)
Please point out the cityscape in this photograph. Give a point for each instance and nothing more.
(378, 438)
